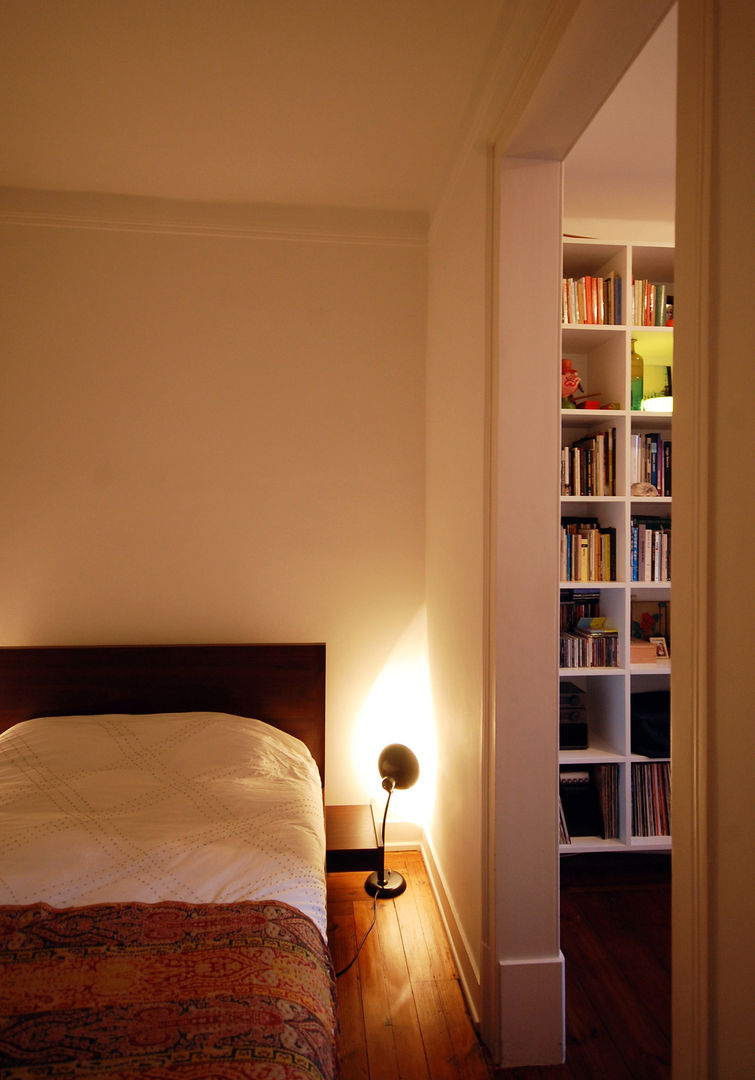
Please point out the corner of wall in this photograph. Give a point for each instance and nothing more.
(466, 965)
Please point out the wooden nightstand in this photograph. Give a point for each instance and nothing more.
(352, 839)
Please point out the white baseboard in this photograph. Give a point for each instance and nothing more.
(409, 836)
(532, 1028)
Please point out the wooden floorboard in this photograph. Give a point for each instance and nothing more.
(616, 940)
(401, 1008)
(402, 1012)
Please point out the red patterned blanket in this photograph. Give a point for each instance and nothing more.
(170, 990)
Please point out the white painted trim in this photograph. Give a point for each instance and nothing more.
(533, 986)
(691, 1007)
(489, 983)
(542, 121)
(525, 497)
(552, 108)
(467, 968)
(126, 213)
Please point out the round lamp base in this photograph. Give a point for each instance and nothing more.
(392, 885)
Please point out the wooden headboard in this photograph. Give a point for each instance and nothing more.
(284, 685)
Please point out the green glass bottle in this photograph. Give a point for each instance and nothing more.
(638, 368)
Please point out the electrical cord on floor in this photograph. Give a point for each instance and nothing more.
(361, 943)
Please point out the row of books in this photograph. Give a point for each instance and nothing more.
(588, 802)
(588, 550)
(592, 300)
(589, 648)
(651, 304)
(651, 798)
(650, 548)
(650, 461)
(588, 466)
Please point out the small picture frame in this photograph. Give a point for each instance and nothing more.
(661, 648)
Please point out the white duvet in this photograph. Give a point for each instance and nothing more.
(197, 807)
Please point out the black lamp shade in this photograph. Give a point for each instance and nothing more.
(399, 764)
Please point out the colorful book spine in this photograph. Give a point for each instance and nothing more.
(592, 301)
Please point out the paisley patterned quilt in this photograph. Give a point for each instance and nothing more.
(166, 990)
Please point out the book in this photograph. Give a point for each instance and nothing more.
(642, 652)
(606, 779)
(563, 828)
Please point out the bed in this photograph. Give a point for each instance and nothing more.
(162, 853)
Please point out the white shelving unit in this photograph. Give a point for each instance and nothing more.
(602, 356)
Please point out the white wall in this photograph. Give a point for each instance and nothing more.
(456, 417)
(215, 438)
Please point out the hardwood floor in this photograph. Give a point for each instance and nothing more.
(402, 1012)
(401, 1008)
(616, 938)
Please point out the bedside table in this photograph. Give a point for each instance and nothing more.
(352, 838)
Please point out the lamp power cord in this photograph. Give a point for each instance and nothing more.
(361, 943)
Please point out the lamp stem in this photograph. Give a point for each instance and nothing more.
(385, 817)
(383, 883)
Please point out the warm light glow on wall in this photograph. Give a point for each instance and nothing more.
(398, 708)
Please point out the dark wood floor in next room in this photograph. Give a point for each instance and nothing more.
(401, 1009)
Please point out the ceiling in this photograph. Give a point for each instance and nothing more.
(305, 102)
(630, 146)
(332, 102)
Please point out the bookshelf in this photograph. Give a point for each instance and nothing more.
(615, 557)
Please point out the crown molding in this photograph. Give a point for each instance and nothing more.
(242, 221)
(521, 47)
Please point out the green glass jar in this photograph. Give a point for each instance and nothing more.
(638, 372)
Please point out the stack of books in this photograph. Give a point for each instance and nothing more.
(591, 644)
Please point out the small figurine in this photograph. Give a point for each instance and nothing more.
(570, 383)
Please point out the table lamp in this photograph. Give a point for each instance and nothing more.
(398, 768)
